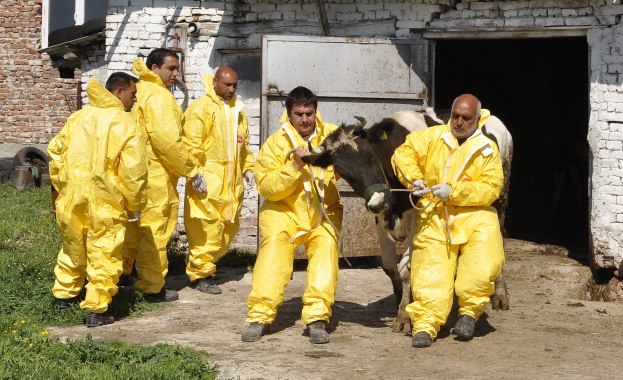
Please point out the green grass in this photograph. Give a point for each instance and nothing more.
(29, 243)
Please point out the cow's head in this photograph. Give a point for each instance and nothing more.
(355, 161)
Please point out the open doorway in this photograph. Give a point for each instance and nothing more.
(540, 89)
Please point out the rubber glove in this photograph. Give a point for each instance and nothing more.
(442, 191)
(417, 188)
(137, 216)
(249, 179)
(199, 183)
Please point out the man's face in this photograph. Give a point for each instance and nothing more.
(225, 86)
(128, 96)
(168, 72)
(303, 119)
(463, 120)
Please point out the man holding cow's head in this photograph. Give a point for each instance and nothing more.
(292, 215)
(458, 170)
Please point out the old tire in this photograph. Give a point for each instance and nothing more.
(61, 35)
(93, 26)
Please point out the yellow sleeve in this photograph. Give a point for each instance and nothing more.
(197, 123)
(56, 156)
(406, 159)
(246, 153)
(132, 170)
(275, 178)
(163, 124)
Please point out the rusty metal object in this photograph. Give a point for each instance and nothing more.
(23, 178)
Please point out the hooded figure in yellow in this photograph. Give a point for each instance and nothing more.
(98, 166)
(292, 215)
(216, 133)
(459, 170)
(159, 116)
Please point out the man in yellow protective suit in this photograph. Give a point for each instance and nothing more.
(216, 133)
(459, 170)
(159, 117)
(98, 166)
(292, 215)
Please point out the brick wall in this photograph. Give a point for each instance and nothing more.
(35, 100)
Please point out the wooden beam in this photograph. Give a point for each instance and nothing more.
(368, 28)
(322, 17)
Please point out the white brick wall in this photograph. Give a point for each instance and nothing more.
(142, 25)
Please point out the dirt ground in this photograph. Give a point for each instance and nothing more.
(552, 330)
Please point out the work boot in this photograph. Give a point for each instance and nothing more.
(65, 303)
(126, 281)
(465, 326)
(164, 295)
(207, 285)
(254, 332)
(421, 339)
(317, 332)
(98, 319)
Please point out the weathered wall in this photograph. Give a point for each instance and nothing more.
(135, 27)
(35, 100)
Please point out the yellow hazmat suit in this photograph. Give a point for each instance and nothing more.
(217, 136)
(98, 166)
(474, 172)
(159, 117)
(291, 216)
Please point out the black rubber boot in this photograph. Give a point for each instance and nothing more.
(464, 327)
(126, 281)
(164, 295)
(254, 332)
(65, 303)
(207, 285)
(98, 319)
(317, 332)
(421, 339)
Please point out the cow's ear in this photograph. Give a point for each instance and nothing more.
(322, 160)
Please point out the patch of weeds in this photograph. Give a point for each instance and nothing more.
(30, 351)
(238, 258)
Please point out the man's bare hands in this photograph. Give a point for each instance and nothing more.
(297, 162)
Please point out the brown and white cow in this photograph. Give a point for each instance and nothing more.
(363, 158)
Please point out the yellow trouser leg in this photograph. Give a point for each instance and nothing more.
(71, 262)
(271, 274)
(322, 274)
(104, 266)
(480, 263)
(150, 250)
(433, 266)
(208, 240)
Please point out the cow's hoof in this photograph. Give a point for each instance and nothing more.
(500, 303)
(421, 339)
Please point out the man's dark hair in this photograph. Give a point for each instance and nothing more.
(119, 79)
(301, 95)
(158, 56)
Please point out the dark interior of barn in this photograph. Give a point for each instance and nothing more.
(539, 88)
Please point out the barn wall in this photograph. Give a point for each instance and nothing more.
(135, 27)
(35, 100)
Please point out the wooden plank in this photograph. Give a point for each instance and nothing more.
(368, 28)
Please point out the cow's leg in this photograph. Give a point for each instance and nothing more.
(389, 261)
(403, 322)
(499, 300)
